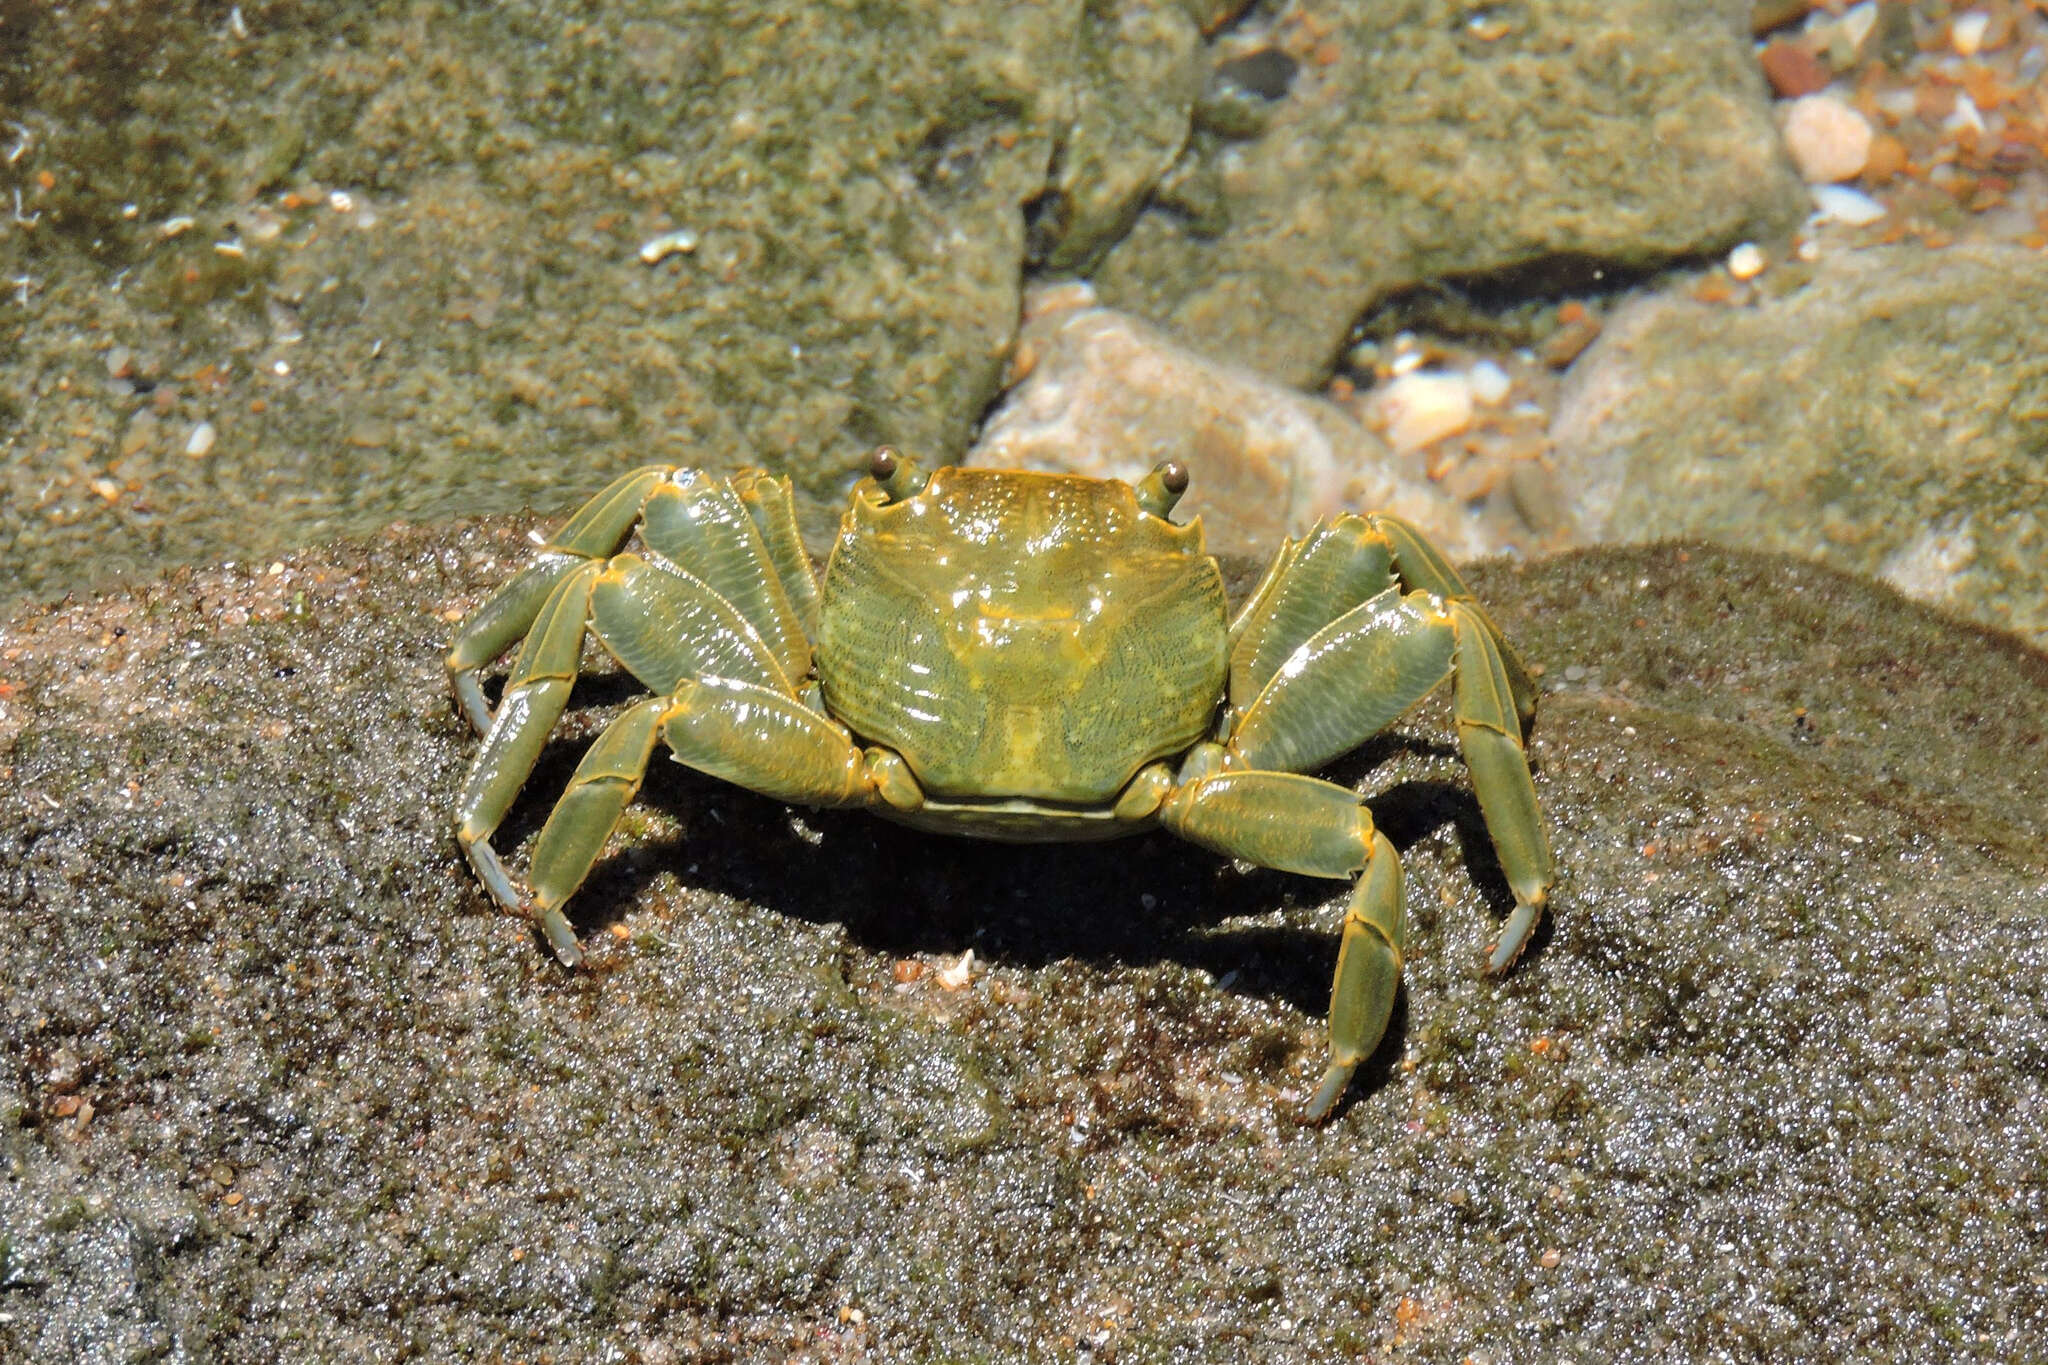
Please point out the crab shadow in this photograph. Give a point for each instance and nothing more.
(1130, 902)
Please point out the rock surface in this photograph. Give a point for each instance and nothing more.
(278, 1085)
(472, 327)
(1403, 142)
(1890, 417)
(1104, 394)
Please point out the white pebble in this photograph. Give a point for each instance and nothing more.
(1964, 115)
(1828, 140)
(682, 241)
(1840, 204)
(1857, 22)
(1489, 382)
(1966, 32)
(201, 440)
(1746, 261)
(1423, 406)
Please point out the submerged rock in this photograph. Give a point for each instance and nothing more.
(1887, 418)
(1423, 141)
(439, 261)
(279, 1083)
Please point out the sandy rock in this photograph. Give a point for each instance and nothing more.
(1105, 394)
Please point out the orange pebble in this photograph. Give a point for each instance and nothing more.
(1887, 159)
(1792, 69)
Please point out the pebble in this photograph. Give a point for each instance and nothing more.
(1792, 69)
(1746, 261)
(1857, 22)
(680, 242)
(201, 440)
(1828, 140)
(1562, 347)
(1964, 117)
(1840, 204)
(1423, 406)
(1966, 32)
(1489, 382)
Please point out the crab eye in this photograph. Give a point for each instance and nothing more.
(898, 475)
(1162, 487)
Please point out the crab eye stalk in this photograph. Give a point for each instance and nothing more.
(1162, 487)
(897, 474)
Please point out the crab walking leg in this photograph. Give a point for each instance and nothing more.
(534, 697)
(1423, 567)
(1363, 670)
(1347, 682)
(1319, 829)
(1368, 974)
(765, 741)
(1490, 733)
(605, 782)
(699, 524)
(749, 735)
(1336, 567)
(770, 503)
(490, 630)
(597, 529)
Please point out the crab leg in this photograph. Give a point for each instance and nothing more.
(701, 525)
(763, 740)
(768, 500)
(766, 742)
(728, 711)
(1347, 682)
(606, 781)
(597, 529)
(1319, 829)
(1490, 733)
(1423, 568)
(534, 697)
(1360, 672)
(1312, 582)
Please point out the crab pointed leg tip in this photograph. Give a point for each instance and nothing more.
(1336, 1080)
(1514, 936)
(554, 925)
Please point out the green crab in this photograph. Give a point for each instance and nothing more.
(1007, 655)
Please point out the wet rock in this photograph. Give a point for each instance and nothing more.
(1885, 418)
(1106, 395)
(1421, 140)
(425, 221)
(1137, 72)
(1773, 1075)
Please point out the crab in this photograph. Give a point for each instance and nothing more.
(1006, 655)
